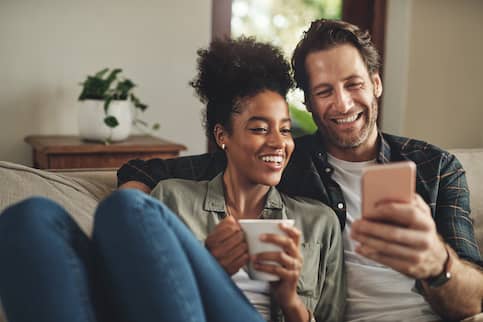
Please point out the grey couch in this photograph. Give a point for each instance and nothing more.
(80, 191)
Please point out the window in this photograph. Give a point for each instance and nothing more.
(282, 23)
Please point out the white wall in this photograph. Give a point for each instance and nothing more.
(396, 62)
(440, 98)
(47, 47)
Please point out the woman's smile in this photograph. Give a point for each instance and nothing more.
(275, 162)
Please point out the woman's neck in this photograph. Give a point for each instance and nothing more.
(243, 200)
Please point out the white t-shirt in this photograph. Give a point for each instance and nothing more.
(375, 292)
(257, 292)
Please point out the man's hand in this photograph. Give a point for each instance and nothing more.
(402, 236)
(135, 185)
(227, 244)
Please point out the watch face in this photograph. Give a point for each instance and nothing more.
(439, 280)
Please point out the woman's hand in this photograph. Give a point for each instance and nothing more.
(290, 260)
(135, 185)
(227, 244)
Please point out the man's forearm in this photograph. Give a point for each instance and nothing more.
(462, 295)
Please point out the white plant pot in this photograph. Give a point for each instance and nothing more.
(91, 120)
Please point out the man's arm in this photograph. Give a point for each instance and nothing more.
(405, 237)
(465, 284)
(411, 245)
(145, 174)
(453, 223)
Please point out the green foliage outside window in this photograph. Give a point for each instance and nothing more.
(302, 122)
(280, 22)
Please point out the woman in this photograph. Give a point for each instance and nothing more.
(143, 264)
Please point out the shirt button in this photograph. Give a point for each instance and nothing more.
(340, 205)
(319, 155)
(327, 170)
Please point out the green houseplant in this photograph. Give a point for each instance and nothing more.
(102, 91)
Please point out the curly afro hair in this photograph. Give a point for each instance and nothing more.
(231, 70)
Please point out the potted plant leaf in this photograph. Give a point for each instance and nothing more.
(108, 106)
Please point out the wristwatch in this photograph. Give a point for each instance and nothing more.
(443, 277)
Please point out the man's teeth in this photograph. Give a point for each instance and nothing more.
(347, 119)
(277, 159)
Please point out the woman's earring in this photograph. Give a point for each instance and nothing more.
(223, 146)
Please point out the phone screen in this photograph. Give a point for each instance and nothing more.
(387, 182)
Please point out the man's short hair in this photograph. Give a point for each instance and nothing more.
(325, 34)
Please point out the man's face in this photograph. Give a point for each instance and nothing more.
(342, 98)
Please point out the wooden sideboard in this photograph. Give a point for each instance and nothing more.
(71, 152)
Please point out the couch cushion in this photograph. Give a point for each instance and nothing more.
(472, 160)
(78, 193)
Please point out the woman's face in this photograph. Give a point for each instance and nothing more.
(260, 144)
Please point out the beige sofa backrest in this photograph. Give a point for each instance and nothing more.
(78, 192)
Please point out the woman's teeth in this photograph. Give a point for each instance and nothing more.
(277, 159)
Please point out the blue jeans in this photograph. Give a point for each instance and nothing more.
(142, 264)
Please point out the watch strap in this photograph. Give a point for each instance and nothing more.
(443, 277)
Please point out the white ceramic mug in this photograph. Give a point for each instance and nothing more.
(253, 228)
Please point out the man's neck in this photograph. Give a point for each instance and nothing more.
(366, 151)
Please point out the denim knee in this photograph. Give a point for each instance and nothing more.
(117, 206)
(119, 211)
(35, 215)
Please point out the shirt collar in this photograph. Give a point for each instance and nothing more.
(215, 196)
(383, 155)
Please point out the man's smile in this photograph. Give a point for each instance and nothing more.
(347, 119)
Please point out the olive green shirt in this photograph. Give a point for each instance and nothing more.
(321, 286)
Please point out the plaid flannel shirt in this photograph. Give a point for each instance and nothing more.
(440, 180)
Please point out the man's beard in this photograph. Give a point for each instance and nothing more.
(348, 142)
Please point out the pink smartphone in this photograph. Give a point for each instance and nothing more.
(394, 181)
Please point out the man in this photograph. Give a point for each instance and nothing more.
(428, 243)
